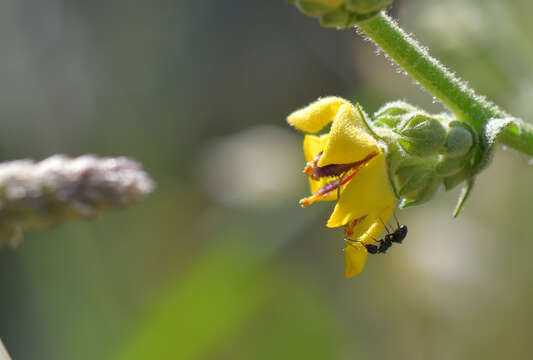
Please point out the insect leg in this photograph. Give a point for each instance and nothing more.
(341, 179)
(397, 222)
(385, 225)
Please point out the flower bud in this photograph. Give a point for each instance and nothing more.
(391, 114)
(458, 142)
(341, 13)
(339, 18)
(423, 194)
(453, 180)
(413, 175)
(363, 7)
(395, 108)
(448, 166)
(416, 180)
(317, 8)
(421, 134)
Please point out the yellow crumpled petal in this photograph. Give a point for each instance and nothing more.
(372, 226)
(349, 140)
(355, 258)
(313, 145)
(364, 232)
(315, 116)
(367, 192)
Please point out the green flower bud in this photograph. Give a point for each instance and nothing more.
(391, 114)
(313, 9)
(423, 195)
(341, 13)
(416, 180)
(452, 181)
(412, 173)
(458, 142)
(363, 7)
(448, 166)
(421, 134)
(336, 19)
(318, 8)
(424, 151)
(395, 108)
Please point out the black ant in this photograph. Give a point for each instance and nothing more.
(396, 236)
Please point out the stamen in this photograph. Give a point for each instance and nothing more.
(327, 189)
(316, 172)
(333, 185)
(332, 170)
(312, 165)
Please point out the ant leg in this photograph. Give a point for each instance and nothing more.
(385, 225)
(341, 179)
(371, 248)
(350, 242)
(376, 240)
(397, 222)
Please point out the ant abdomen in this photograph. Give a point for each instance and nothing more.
(372, 249)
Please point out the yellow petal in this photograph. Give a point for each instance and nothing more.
(367, 193)
(349, 140)
(355, 258)
(315, 116)
(313, 145)
(372, 226)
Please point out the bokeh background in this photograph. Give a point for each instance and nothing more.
(220, 262)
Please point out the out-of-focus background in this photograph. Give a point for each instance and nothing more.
(220, 262)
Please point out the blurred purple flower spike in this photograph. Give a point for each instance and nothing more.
(57, 189)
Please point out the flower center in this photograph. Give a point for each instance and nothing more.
(316, 172)
(341, 171)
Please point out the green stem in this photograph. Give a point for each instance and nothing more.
(441, 83)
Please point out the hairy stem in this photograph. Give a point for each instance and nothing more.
(441, 83)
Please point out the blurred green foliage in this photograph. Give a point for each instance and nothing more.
(193, 273)
(204, 307)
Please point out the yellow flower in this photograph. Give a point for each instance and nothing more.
(347, 163)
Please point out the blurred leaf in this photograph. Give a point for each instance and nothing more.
(297, 324)
(201, 309)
